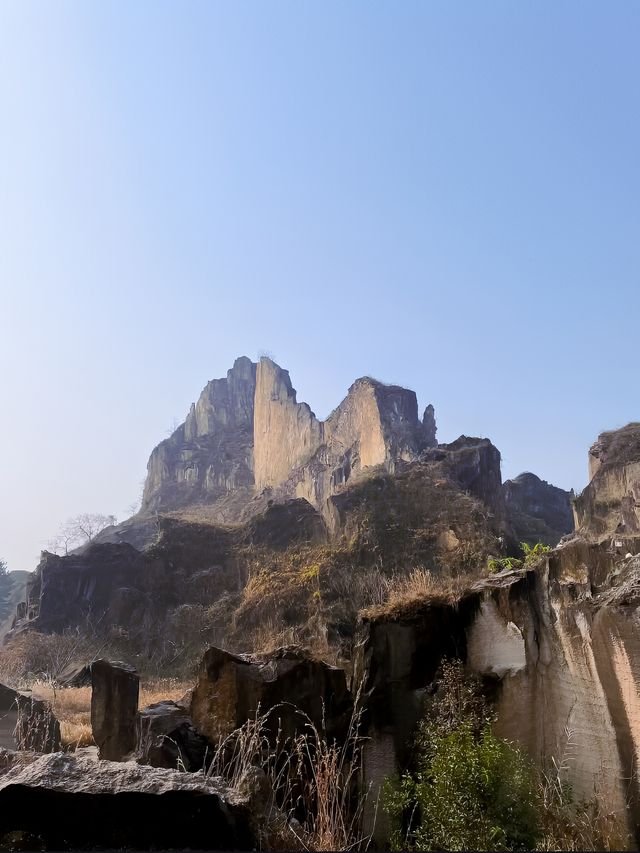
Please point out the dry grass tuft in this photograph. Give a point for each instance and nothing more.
(311, 783)
(405, 593)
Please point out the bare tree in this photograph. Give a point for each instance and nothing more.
(79, 531)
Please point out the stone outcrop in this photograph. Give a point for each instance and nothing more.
(559, 644)
(212, 452)
(248, 433)
(115, 689)
(68, 801)
(37, 728)
(285, 686)
(610, 504)
(536, 510)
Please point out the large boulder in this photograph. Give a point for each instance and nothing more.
(285, 685)
(114, 705)
(165, 737)
(67, 801)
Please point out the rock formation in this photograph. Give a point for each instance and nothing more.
(248, 433)
(557, 638)
(610, 504)
(71, 802)
(232, 689)
(114, 705)
(537, 511)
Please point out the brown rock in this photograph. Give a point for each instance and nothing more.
(231, 689)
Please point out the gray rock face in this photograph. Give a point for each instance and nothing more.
(114, 704)
(536, 510)
(212, 452)
(69, 801)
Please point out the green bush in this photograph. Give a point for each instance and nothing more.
(531, 555)
(467, 789)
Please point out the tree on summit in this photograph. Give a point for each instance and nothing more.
(79, 531)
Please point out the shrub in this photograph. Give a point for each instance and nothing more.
(468, 789)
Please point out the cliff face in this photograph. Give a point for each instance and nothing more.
(538, 511)
(248, 433)
(558, 643)
(610, 504)
(211, 453)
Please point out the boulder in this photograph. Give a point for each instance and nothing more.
(114, 705)
(165, 737)
(37, 727)
(231, 689)
(68, 802)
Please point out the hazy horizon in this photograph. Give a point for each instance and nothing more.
(444, 197)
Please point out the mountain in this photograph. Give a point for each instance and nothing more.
(260, 521)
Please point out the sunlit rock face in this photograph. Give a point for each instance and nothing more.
(610, 505)
(248, 433)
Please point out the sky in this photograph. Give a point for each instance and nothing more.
(442, 195)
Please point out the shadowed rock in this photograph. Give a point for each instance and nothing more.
(114, 705)
(165, 737)
(37, 727)
(72, 802)
(232, 689)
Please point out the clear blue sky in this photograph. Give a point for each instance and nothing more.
(443, 195)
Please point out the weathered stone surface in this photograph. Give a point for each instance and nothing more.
(536, 510)
(72, 802)
(232, 688)
(37, 727)
(212, 452)
(8, 716)
(165, 737)
(75, 674)
(610, 504)
(114, 705)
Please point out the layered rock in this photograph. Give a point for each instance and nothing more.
(212, 452)
(248, 433)
(536, 510)
(610, 504)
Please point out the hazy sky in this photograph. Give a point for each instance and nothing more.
(441, 195)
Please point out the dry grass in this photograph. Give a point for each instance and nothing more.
(309, 782)
(405, 593)
(72, 705)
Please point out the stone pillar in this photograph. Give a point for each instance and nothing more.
(114, 705)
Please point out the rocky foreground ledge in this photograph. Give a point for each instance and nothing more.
(73, 801)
